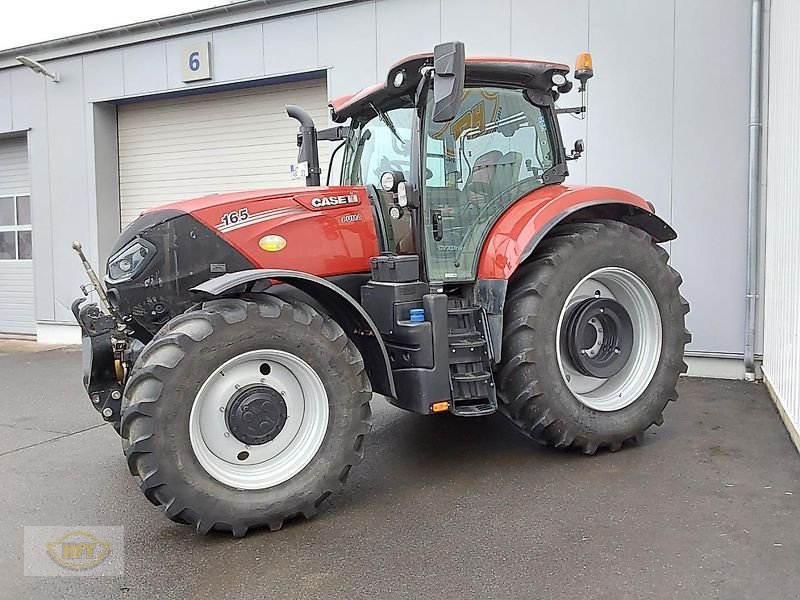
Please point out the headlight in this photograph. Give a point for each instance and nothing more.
(129, 262)
(399, 78)
(388, 181)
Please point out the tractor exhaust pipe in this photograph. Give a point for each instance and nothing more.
(308, 152)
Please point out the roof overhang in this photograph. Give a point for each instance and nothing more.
(480, 70)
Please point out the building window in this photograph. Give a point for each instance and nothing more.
(15, 228)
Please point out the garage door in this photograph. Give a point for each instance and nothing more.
(16, 264)
(218, 142)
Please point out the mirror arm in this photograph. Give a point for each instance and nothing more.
(426, 74)
(333, 134)
(573, 110)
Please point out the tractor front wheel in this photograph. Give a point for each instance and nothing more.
(242, 414)
(593, 337)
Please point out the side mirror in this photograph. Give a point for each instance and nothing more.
(578, 149)
(448, 80)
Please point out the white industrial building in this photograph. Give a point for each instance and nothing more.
(780, 195)
(127, 126)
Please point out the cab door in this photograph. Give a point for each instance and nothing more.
(495, 151)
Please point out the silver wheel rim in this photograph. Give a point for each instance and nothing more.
(272, 463)
(622, 389)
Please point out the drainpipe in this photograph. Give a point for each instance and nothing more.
(753, 187)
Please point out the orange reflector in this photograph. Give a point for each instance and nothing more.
(584, 62)
(440, 406)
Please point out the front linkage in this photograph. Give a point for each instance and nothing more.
(108, 348)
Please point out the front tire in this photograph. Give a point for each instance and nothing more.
(243, 414)
(593, 338)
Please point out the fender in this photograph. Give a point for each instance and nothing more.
(518, 231)
(521, 228)
(337, 303)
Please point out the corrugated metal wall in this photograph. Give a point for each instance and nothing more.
(211, 143)
(782, 289)
(667, 117)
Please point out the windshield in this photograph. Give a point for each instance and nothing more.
(378, 145)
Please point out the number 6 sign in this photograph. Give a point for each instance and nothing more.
(195, 62)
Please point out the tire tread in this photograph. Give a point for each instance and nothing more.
(138, 426)
(523, 400)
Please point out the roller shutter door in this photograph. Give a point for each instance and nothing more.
(212, 143)
(17, 314)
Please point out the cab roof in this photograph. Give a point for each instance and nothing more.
(480, 70)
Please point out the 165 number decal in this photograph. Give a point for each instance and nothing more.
(235, 216)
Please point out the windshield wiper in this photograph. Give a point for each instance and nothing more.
(388, 122)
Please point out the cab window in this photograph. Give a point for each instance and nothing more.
(376, 145)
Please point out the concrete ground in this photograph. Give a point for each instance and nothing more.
(708, 506)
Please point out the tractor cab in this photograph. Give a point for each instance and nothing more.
(441, 180)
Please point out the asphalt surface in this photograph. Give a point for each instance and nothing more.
(708, 507)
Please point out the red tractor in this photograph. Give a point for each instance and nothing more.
(242, 336)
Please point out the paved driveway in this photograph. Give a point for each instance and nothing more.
(708, 506)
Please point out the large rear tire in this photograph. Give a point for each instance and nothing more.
(242, 414)
(593, 338)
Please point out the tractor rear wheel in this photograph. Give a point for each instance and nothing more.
(593, 337)
(243, 414)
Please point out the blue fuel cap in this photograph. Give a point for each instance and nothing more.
(417, 315)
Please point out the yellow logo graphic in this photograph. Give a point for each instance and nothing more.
(474, 120)
(478, 109)
(78, 550)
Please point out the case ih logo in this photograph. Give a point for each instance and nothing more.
(334, 201)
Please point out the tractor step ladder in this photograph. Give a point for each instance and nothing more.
(471, 380)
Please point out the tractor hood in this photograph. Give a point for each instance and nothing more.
(217, 200)
(211, 209)
(326, 231)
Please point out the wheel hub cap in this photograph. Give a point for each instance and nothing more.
(259, 419)
(256, 414)
(599, 337)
